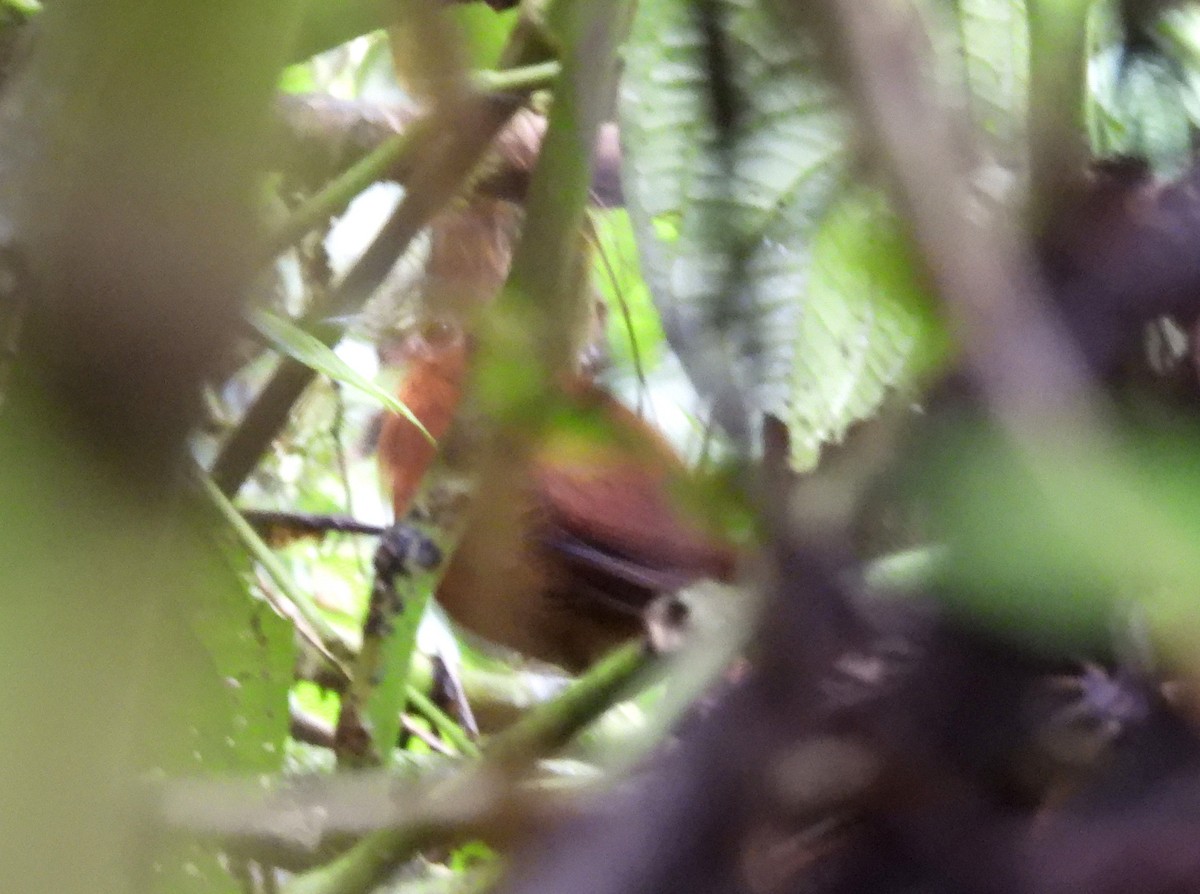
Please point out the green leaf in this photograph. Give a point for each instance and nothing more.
(690, 200)
(635, 334)
(1056, 545)
(470, 855)
(484, 32)
(868, 326)
(1141, 106)
(298, 78)
(243, 725)
(309, 350)
(315, 700)
(234, 717)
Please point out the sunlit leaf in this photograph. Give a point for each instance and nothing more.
(1142, 107)
(635, 333)
(313, 353)
(298, 78)
(868, 326)
(690, 201)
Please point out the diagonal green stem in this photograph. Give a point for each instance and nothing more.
(543, 730)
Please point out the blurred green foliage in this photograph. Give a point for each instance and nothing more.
(138, 640)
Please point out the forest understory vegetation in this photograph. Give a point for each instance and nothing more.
(598, 446)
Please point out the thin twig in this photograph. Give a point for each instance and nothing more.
(414, 729)
(265, 521)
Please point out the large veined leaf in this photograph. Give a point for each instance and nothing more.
(692, 197)
(838, 330)
(841, 318)
(868, 326)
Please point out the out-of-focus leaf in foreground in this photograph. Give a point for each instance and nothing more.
(1060, 546)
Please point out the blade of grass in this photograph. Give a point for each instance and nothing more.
(306, 348)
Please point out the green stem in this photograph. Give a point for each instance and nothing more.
(498, 698)
(525, 79)
(543, 730)
(442, 722)
(338, 193)
(381, 677)
(393, 155)
(308, 610)
(545, 296)
(550, 726)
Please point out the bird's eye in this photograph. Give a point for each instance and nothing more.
(438, 333)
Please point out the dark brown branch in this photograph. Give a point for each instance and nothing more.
(310, 729)
(272, 524)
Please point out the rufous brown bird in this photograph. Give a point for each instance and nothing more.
(560, 554)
